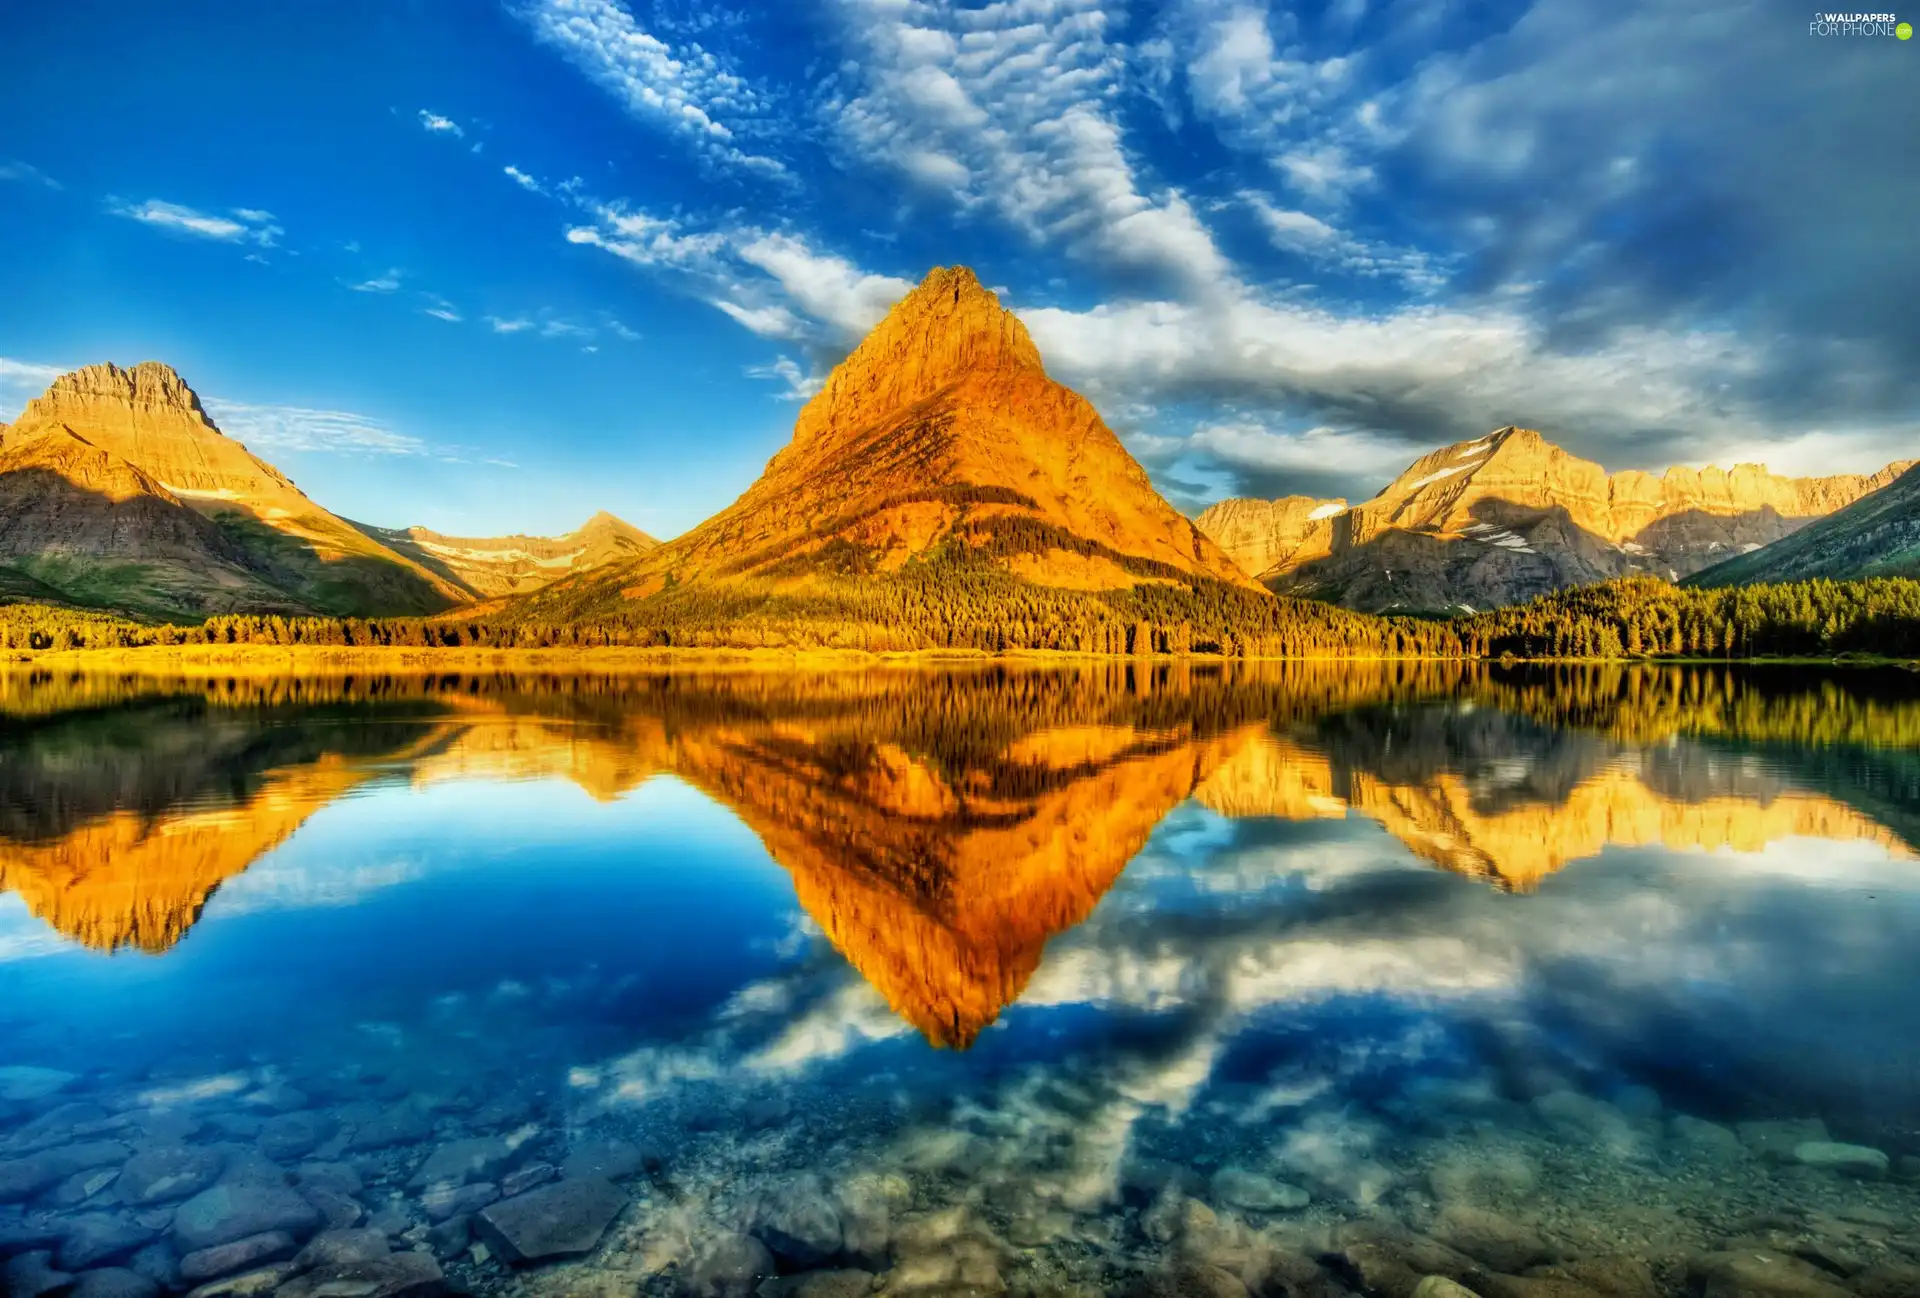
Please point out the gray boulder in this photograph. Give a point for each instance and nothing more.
(234, 1210)
(288, 1136)
(799, 1222)
(168, 1172)
(96, 1238)
(398, 1275)
(339, 1247)
(242, 1255)
(32, 1275)
(731, 1266)
(115, 1282)
(461, 1162)
(563, 1219)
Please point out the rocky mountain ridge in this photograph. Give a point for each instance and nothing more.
(940, 433)
(1510, 515)
(1877, 535)
(118, 490)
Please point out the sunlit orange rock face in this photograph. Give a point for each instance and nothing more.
(941, 425)
(1519, 845)
(128, 880)
(943, 888)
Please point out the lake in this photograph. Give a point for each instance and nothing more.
(1308, 979)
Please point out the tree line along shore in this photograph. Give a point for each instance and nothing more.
(1637, 617)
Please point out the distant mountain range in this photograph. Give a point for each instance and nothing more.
(1505, 517)
(118, 491)
(1876, 536)
(941, 452)
(941, 434)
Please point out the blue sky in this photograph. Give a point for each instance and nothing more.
(492, 268)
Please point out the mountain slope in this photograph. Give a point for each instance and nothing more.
(148, 418)
(490, 567)
(1509, 516)
(1876, 536)
(940, 434)
(81, 525)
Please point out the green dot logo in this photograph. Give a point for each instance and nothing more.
(1904, 31)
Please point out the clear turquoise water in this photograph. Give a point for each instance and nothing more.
(1477, 1073)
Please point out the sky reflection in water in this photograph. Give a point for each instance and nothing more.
(1333, 916)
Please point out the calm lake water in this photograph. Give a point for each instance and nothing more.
(1313, 979)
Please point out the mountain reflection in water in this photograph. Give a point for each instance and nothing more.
(941, 826)
(1304, 980)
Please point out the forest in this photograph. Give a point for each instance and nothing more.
(936, 606)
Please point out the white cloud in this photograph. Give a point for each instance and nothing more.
(441, 309)
(15, 170)
(439, 125)
(686, 90)
(801, 384)
(385, 282)
(523, 180)
(297, 428)
(244, 225)
(22, 381)
(1011, 108)
(511, 325)
(1319, 243)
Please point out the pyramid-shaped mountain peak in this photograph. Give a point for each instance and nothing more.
(150, 385)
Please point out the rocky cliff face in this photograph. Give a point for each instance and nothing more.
(942, 428)
(1261, 535)
(1508, 516)
(1877, 535)
(494, 566)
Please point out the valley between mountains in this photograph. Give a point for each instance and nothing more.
(940, 491)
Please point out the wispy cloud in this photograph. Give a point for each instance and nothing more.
(1012, 109)
(686, 90)
(512, 325)
(441, 309)
(523, 180)
(801, 384)
(15, 170)
(239, 225)
(384, 282)
(544, 324)
(22, 381)
(439, 125)
(298, 428)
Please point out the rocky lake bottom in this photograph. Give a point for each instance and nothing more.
(431, 1002)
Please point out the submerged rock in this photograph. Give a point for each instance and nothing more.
(564, 1219)
(1848, 1160)
(404, 1124)
(168, 1172)
(115, 1282)
(800, 1222)
(1252, 1192)
(604, 1156)
(248, 1284)
(1438, 1286)
(1704, 1139)
(23, 1178)
(234, 1210)
(1493, 1238)
(335, 1247)
(25, 1083)
(1776, 1141)
(528, 1177)
(1187, 1279)
(241, 1255)
(728, 1266)
(819, 1284)
(99, 1237)
(288, 1136)
(459, 1162)
(398, 1275)
(443, 1202)
(1748, 1273)
(32, 1275)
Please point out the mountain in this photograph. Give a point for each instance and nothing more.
(939, 439)
(494, 566)
(1505, 517)
(1877, 535)
(81, 525)
(146, 434)
(117, 490)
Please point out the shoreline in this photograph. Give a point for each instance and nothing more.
(292, 659)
